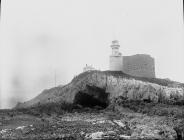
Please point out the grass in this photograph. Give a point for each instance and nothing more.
(151, 108)
(50, 108)
(55, 108)
(163, 82)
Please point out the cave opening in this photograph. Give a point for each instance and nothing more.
(91, 97)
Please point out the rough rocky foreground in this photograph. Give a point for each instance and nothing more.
(100, 105)
(89, 124)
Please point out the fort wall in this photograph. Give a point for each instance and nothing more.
(140, 65)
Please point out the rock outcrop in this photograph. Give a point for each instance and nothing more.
(100, 88)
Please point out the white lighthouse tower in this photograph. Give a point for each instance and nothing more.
(116, 59)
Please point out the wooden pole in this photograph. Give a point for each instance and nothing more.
(55, 78)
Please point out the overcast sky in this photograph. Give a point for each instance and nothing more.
(42, 37)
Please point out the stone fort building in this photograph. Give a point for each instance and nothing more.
(141, 65)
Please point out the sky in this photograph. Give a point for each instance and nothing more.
(43, 39)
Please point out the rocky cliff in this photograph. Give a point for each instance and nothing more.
(101, 87)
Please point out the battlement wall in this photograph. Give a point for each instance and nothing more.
(140, 65)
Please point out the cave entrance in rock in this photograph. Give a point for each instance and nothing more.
(91, 97)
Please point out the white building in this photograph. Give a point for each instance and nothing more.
(116, 59)
(88, 68)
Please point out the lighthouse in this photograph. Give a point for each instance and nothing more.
(116, 59)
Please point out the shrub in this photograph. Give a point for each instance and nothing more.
(151, 108)
(50, 108)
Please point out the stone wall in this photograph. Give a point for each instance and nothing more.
(140, 65)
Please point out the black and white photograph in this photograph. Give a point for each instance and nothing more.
(91, 70)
